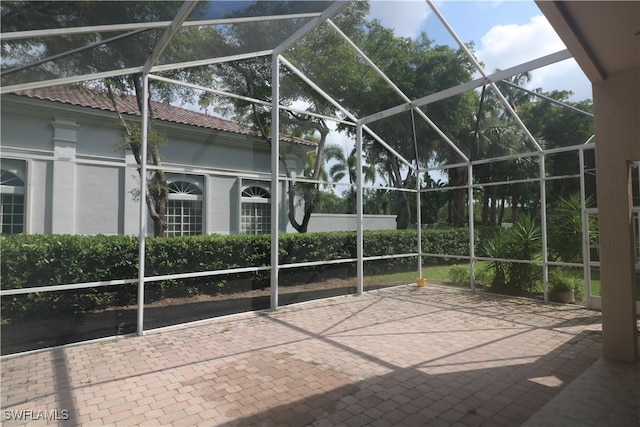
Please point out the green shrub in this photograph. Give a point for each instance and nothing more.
(484, 277)
(565, 228)
(562, 281)
(497, 247)
(521, 242)
(44, 260)
(459, 274)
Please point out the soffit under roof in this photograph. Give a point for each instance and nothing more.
(603, 36)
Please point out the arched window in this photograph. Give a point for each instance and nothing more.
(184, 208)
(255, 217)
(11, 202)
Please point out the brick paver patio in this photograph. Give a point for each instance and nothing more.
(403, 356)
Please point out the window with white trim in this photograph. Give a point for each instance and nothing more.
(255, 216)
(11, 202)
(184, 207)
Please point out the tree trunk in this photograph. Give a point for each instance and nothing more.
(157, 197)
(515, 195)
(494, 205)
(485, 206)
(459, 198)
(403, 218)
(309, 196)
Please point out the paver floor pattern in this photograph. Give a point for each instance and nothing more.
(398, 356)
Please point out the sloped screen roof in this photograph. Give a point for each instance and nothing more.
(50, 43)
(57, 42)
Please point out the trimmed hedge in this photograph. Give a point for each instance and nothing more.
(41, 260)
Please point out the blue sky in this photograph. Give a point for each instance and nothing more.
(505, 33)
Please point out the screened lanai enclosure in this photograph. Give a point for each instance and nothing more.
(358, 158)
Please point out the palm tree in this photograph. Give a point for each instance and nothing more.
(497, 135)
(514, 96)
(346, 167)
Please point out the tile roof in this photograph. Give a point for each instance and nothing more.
(127, 104)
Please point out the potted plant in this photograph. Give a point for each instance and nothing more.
(563, 286)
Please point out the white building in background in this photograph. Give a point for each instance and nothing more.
(62, 172)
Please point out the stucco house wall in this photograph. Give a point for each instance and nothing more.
(77, 181)
(348, 222)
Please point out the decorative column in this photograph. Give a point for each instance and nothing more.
(617, 130)
(130, 205)
(63, 186)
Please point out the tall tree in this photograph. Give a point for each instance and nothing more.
(252, 78)
(132, 49)
(347, 167)
(497, 134)
(559, 126)
(416, 66)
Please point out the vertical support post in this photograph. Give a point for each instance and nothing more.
(472, 237)
(359, 223)
(616, 103)
(586, 255)
(543, 221)
(142, 231)
(418, 207)
(275, 176)
(419, 219)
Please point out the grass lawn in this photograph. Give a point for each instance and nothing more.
(440, 273)
(433, 272)
(596, 285)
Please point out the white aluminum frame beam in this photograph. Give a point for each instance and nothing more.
(547, 98)
(368, 61)
(132, 70)
(393, 86)
(51, 32)
(210, 90)
(142, 231)
(425, 100)
(347, 113)
(275, 180)
(471, 220)
(70, 52)
(543, 61)
(182, 14)
(211, 61)
(68, 80)
(359, 214)
(544, 232)
(173, 28)
(456, 90)
(480, 69)
(181, 17)
(326, 14)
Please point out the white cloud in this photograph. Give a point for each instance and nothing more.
(565, 75)
(504, 46)
(404, 17)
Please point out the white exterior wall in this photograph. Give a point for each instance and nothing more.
(98, 209)
(78, 182)
(222, 205)
(347, 222)
(63, 187)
